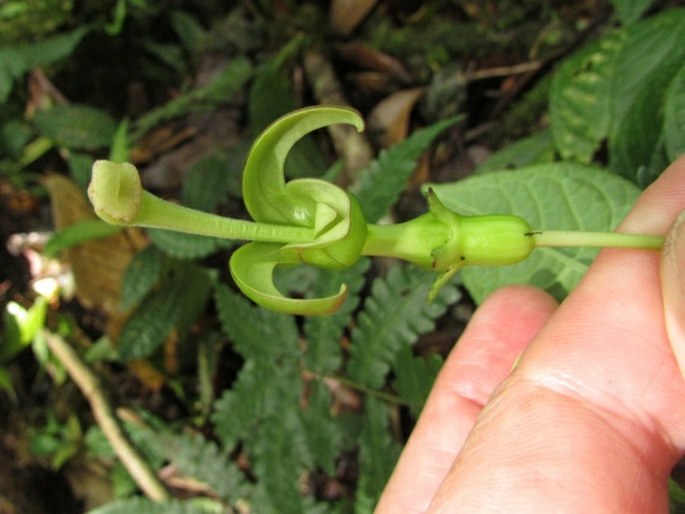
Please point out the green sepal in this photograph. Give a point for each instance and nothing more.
(267, 197)
(252, 267)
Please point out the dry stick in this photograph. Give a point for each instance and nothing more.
(350, 144)
(90, 386)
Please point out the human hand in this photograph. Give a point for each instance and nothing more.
(592, 418)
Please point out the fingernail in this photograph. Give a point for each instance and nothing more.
(673, 288)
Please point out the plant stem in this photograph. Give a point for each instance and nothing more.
(557, 238)
(90, 387)
(158, 213)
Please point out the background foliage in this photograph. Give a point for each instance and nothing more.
(576, 108)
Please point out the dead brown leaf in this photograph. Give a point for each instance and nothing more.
(346, 15)
(97, 265)
(390, 118)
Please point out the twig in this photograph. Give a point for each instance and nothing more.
(90, 386)
(502, 71)
(351, 145)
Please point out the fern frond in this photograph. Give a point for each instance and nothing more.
(325, 435)
(279, 456)
(255, 332)
(174, 305)
(386, 177)
(145, 506)
(378, 453)
(394, 315)
(323, 334)
(196, 457)
(414, 377)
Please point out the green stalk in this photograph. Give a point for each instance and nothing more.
(559, 238)
(412, 241)
(157, 213)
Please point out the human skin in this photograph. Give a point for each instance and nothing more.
(592, 417)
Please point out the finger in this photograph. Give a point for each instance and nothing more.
(592, 420)
(500, 329)
(673, 288)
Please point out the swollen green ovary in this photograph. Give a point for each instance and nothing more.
(494, 240)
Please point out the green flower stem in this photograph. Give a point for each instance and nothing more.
(557, 238)
(118, 198)
(157, 213)
(412, 241)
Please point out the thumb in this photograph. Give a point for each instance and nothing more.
(673, 288)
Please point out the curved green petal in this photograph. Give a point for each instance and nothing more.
(264, 190)
(252, 267)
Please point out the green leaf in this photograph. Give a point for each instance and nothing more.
(150, 324)
(76, 126)
(535, 149)
(271, 96)
(17, 60)
(182, 296)
(77, 234)
(120, 146)
(323, 432)
(256, 332)
(378, 455)
(382, 182)
(196, 457)
(580, 103)
(20, 327)
(674, 116)
(630, 11)
(6, 382)
(561, 196)
(276, 451)
(677, 497)
(145, 506)
(414, 377)
(226, 84)
(189, 31)
(651, 56)
(141, 275)
(186, 246)
(207, 183)
(255, 395)
(324, 350)
(394, 315)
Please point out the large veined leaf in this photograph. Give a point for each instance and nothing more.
(674, 117)
(652, 54)
(630, 11)
(580, 107)
(561, 196)
(534, 149)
